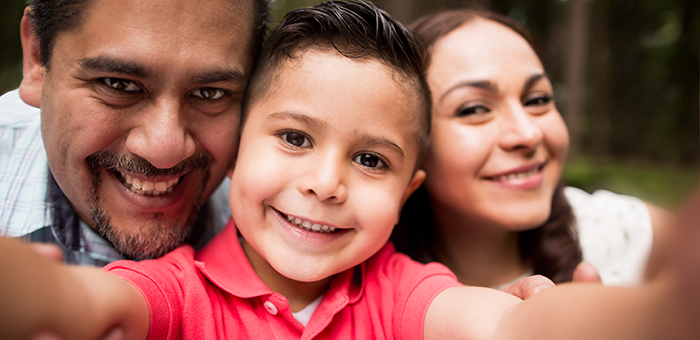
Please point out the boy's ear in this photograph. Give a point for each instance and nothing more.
(416, 181)
(32, 70)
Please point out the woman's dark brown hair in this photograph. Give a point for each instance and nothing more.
(553, 248)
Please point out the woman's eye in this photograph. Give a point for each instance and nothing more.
(472, 110)
(369, 160)
(539, 101)
(209, 93)
(119, 84)
(296, 139)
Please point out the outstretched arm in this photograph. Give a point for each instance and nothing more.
(663, 307)
(40, 295)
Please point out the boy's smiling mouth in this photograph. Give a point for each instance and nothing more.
(308, 225)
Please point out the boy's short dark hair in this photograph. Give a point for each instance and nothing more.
(356, 30)
(53, 17)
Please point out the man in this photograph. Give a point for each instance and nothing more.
(139, 112)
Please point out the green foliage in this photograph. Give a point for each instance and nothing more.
(661, 184)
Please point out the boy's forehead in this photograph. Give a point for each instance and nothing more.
(321, 80)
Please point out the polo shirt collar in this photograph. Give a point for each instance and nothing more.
(225, 264)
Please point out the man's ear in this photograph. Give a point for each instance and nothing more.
(416, 181)
(33, 71)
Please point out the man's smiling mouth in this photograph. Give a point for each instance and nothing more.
(146, 187)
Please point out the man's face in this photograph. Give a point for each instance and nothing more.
(140, 111)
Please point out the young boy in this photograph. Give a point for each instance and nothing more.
(336, 120)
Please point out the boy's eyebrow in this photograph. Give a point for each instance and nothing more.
(482, 84)
(112, 65)
(306, 120)
(378, 141)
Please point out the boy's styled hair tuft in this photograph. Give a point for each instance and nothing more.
(356, 30)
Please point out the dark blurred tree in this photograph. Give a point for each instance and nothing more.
(637, 96)
(10, 47)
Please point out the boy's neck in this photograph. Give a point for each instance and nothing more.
(479, 254)
(299, 294)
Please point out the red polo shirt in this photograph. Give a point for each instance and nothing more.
(215, 294)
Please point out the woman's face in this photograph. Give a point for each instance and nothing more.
(498, 142)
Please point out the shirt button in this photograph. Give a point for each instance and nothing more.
(270, 307)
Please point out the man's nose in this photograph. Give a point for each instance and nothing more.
(161, 135)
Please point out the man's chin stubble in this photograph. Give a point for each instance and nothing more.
(152, 239)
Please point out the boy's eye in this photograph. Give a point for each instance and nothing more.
(471, 110)
(296, 139)
(209, 93)
(119, 84)
(369, 160)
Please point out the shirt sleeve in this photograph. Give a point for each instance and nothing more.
(160, 283)
(416, 286)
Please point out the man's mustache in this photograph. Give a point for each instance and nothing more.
(137, 165)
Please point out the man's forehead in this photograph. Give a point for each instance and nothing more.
(218, 16)
(143, 38)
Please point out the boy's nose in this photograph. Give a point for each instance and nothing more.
(325, 179)
(161, 136)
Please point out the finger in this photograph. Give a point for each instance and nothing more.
(44, 336)
(48, 250)
(114, 334)
(586, 272)
(529, 286)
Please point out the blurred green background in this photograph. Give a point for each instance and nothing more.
(625, 74)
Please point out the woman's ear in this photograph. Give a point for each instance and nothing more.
(32, 70)
(415, 183)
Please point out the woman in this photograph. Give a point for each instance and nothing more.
(492, 208)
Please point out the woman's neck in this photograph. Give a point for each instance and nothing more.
(478, 253)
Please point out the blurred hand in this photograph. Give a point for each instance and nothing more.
(48, 250)
(529, 286)
(586, 272)
(114, 334)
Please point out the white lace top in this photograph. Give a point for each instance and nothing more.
(615, 233)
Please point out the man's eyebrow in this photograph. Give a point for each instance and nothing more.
(218, 76)
(112, 65)
(533, 80)
(482, 84)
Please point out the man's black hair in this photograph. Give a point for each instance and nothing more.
(53, 17)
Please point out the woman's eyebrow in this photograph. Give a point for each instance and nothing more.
(482, 84)
(533, 80)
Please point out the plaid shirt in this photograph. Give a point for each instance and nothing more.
(33, 207)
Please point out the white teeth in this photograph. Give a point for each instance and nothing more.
(517, 175)
(306, 225)
(148, 188)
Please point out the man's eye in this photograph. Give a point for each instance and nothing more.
(369, 160)
(296, 139)
(209, 93)
(121, 84)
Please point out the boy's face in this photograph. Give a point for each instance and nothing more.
(325, 163)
